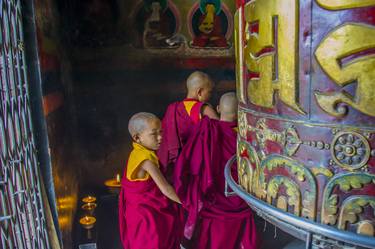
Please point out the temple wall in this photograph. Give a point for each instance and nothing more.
(120, 68)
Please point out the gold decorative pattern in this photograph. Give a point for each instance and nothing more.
(366, 227)
(245, 174)
(288, 138)
(264, 50)
(309, 123)
(242, 124)
(282, 203)
(348, 39)
(345, 4)
(248, 161)
(318, 166)
(350, 150)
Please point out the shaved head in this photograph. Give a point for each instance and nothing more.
(198, 80)
(139, 122)
(228, 105)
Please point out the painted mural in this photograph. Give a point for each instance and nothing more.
(187, 28)
(184, 27)
(209, 25)
(200, 24)
(155, 23)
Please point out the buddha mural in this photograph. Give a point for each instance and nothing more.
(155, 23)
(209, 24)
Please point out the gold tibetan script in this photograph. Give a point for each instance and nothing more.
(344, 42)
(345, 4)
(271, 52)
(238, 31)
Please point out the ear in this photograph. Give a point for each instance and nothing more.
(199, 91)
(136, 138)
(218, 109)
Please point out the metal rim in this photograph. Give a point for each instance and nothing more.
(269, 212)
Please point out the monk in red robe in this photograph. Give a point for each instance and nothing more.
(182, 116)
(214, 221)
(148, 213)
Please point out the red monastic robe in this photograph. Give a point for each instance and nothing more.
(147, 218)
(213, 221)
(178, 122)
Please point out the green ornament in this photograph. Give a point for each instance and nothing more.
(216, 3)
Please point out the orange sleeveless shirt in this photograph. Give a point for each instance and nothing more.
(193, 108)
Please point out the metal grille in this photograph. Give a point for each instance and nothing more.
(22, 220)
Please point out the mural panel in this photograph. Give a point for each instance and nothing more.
(145, 30)
(210, 24)
(155, 22)
(194, 24)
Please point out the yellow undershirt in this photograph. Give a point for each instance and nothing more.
(137, 156)
(189, 105)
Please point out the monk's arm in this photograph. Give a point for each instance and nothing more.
(210, 112)
(160, 180)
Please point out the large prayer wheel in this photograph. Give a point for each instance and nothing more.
(306, 146)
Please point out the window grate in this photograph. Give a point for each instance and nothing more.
(22, 220)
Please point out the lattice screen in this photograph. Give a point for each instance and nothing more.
(22, 220)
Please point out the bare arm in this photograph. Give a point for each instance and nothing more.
(209, 112)
(160, 180)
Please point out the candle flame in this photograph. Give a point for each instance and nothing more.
(89, 198)
(87, 220)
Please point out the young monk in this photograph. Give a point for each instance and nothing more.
(182, 116)
(148, 215)
(214, 221)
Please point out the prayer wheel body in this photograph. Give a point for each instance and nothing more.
(306, 89)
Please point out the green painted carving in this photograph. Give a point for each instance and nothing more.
(322, 171)
(352, 207)
(247, 156)
(307, 203)
(345, 182)
(302, 174)
(292, 191)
